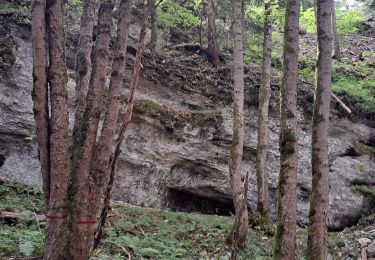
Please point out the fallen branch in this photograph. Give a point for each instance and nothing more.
(342, 104)
(9, 216)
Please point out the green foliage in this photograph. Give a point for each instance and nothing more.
(172, 14)
(22, 238)
(346, 22)
(307, 20)
(73, 12)
(253, 49)
(357, 93)
(306, 73)
(144, 233)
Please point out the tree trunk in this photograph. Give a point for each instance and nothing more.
(236, 151)
(154, 26)
(40, 90)
(285, 237)
(264, 97)
(336, 43)
(125, 123)
(319, 202)
(83, 59)
(212, 49)
(80, 223)
(55, 239)
(106, 141)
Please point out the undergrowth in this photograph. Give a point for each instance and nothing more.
(143, 233)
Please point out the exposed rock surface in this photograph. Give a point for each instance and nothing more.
(176, 150)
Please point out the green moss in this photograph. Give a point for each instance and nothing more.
(7, 53)
(277, 240)
(365, 190)
(287, 141)
(174, 119)
(365, 149)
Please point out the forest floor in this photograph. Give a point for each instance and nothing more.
(157, 234)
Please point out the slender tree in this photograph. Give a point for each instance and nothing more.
(264, 97)
(59, 139)
(154, 25)
(107, 138)
(319, 202)
(336, 42)
(285, 237)
(213, 48)
(40, 90)
(236, 151)
(124, 126)
(83, 58)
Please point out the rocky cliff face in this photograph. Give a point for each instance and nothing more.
(176, 150)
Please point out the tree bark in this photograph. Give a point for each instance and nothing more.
(154, 26)
(236, 151)
(285, 237)
(336, 42)
(124, 125)
(319, 201)
(40, 90)
(80, 223)
(106, 141)
(213, 48)
(59, 129)
(264, 97)
(83, 59)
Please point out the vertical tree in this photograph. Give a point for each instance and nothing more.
(213, 48)
(319, 202)
(40, 90)
(59, 156)
(285, 237)
(264, 97)
(124, 126)
(335, 35)
(83, 58)
(238, 193)
(154, 25)
(72, 187)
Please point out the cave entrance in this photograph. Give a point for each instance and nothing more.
(2, 160)
(186, 202)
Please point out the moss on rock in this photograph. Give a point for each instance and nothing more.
(175, 119)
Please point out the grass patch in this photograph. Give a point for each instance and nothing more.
(357, 94)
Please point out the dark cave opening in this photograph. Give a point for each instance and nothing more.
(187, 202)
(2, 160)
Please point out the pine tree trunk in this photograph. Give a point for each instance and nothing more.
(55, 238)
(40, 90)
(335, 36)
(154, 26)
(124, 125)
(212, 49)
(83, 59)
(319, 202)
(285, 237)
(236, 152)
(264, 97)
